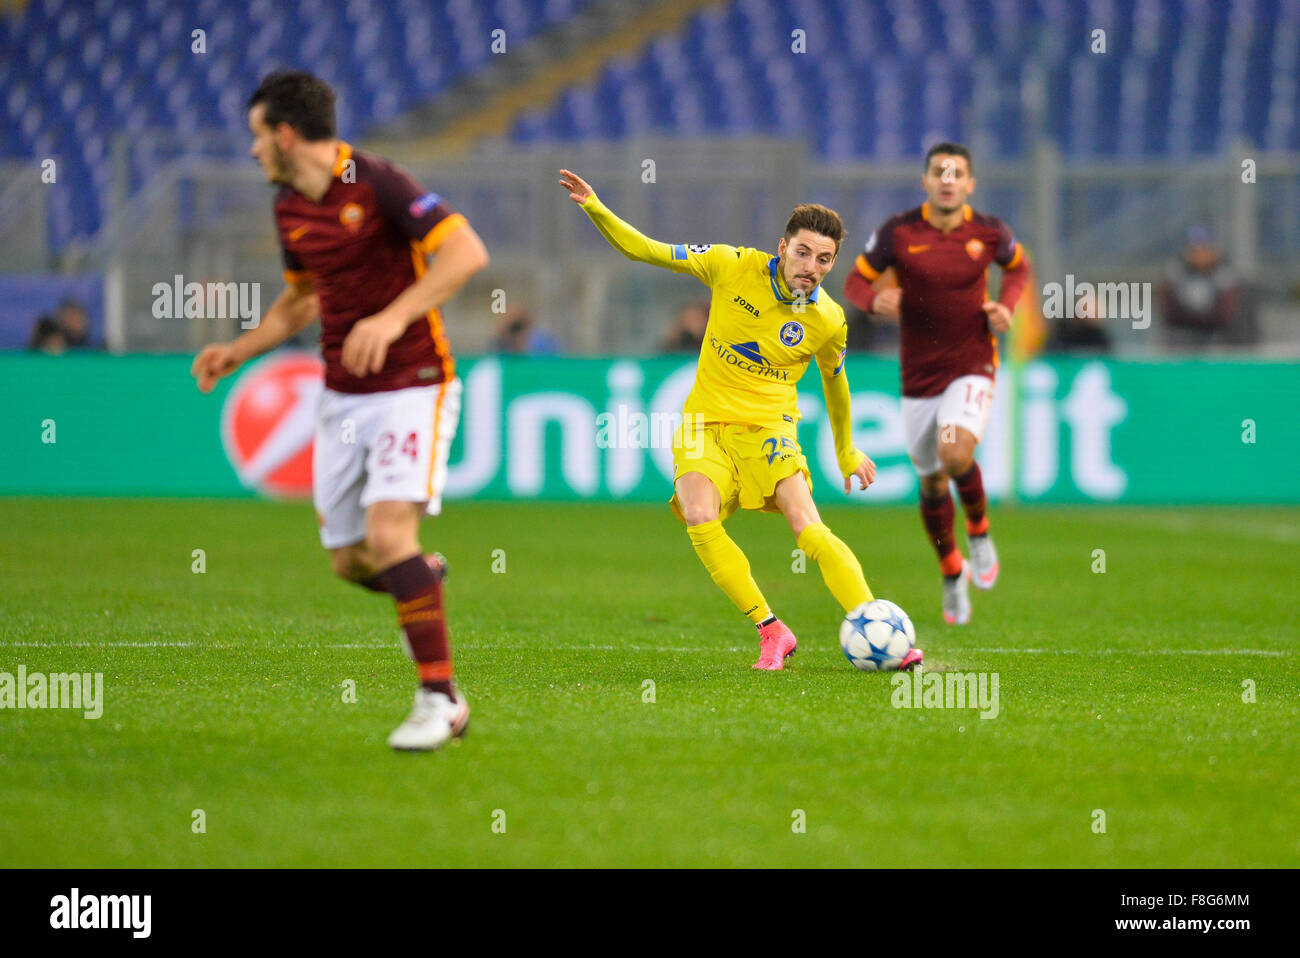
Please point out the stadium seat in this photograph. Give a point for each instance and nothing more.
(77, 72)
(1185, 77)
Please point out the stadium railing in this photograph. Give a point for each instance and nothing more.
(208, 219)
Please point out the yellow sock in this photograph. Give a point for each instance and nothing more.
(839, 565)
(729, 568)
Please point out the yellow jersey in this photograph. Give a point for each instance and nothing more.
(759, 339)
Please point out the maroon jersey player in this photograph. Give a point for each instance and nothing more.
(356, 236)
(940, 253)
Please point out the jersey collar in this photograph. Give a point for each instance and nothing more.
(345, 154)
(778, 284)
(966, 212)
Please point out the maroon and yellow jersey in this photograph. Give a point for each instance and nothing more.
(945, 332)
(360, 247)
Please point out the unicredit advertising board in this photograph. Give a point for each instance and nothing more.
(1066, 430)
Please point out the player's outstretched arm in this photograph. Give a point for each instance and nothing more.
(624, 237)
(294, 309)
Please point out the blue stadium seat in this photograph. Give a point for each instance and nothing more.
(72, 74)
(879, 78)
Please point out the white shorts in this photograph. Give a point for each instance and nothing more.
(380, 447)
(964, 403)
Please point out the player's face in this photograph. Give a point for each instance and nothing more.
(265, 149)
(947, 182)
(805, 260)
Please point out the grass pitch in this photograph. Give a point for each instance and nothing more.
(1122, 691)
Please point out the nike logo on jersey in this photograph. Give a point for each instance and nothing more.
(298, 234)
(918, 249)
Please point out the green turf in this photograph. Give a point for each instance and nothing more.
(224, 692)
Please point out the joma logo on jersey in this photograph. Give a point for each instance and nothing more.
(746, 356)
(752, 309)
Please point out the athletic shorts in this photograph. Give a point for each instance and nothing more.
(387, 446)
(744, 462)
(964, 403)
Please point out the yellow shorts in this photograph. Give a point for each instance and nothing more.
(744, 462)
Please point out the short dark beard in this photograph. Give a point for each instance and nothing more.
(794, 290)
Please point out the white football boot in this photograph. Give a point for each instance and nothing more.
(984, 561)
(434, 719)
(956, 596)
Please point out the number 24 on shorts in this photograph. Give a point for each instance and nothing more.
(387, 442)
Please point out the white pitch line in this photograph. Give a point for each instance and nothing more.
(561, 648)
(385, 646)
(1238, 527)
(1121, 651)
(96, 645)
(710, 649)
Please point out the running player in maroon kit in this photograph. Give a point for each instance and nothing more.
(355, 233)
(940, 253)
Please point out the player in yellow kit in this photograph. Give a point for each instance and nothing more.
(738, 446)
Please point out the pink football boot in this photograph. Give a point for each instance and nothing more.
(776, 642)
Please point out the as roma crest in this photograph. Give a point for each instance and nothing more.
(350, 216)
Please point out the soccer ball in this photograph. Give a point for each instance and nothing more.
(876, 636)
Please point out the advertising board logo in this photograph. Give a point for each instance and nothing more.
(268, 423)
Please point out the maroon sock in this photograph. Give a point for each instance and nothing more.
(970, 486)
(375, 583)
(418, 594)
(937, 515)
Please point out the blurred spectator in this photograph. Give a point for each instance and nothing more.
(48, 337)
(1201, 299)
(517, 334)
(1085, 332)
(75, 323)
(686, 334)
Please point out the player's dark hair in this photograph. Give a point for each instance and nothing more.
(950, 149)
(821, 220)
(301, 99)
